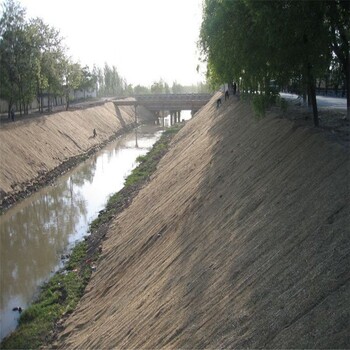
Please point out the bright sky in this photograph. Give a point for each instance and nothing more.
(145, 39)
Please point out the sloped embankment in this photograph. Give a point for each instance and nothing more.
(31, 148)
(241, 240)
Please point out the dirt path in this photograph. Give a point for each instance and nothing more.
(33, 151)
(240, 240)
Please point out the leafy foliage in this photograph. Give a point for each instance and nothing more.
(34, 64)
(256, 42)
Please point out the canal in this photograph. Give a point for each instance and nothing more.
(38, 233)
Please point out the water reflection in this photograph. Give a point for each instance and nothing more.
(136, 143)
(33, 236)
(32, 239)
(35, 233)
(184, 116)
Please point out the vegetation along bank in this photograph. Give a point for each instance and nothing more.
(239, 240)
(39, 324)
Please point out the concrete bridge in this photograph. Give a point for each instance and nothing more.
(172, 103)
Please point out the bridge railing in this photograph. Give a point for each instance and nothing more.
(157, 102)
(189, 96)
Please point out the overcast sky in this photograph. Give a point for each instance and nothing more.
(145, 39)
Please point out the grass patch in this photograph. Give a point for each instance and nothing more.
(139, 176)
(60, 295)
(57, 298)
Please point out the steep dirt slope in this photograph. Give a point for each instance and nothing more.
(241, 240)
(35, 146)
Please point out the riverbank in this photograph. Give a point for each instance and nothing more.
(35, 151)
(38, 324)
(239, 240)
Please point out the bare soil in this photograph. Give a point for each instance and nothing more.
(240, 240)
(35, 150)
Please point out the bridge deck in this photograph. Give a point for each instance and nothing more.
(157, 102)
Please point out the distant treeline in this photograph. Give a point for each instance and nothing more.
(35, 66)
(265, 46)
(161, 87)
(34, 63)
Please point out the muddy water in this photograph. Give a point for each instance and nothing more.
(38, 232)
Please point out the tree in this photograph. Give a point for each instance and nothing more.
(139, 90)
(30, 54)
(302, 51)
(112, 82)
(53, 62)
(337, 17)
(202, 88)
(254, 42)
(88, 80)
(12, 37)
(160, 87)
(177, 88)
(72, 75)
(98, 73)
(33, 62)
(116, 82)
(49, 55)
(129, 90)
(166, 88)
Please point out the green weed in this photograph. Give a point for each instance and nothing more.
(57, 297)
(60, 295)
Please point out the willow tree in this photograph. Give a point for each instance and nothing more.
(298, 39)
(337, 17)
(259, 41)
(236, 44)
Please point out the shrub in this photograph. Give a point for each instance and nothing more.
(260, 105)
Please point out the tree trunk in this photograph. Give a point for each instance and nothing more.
(10, 108)
(48, 100)
(305, 89)
(20, 99)
(340, 41)
(41, 104)
(304, 97)
(347, 83)
(67, 101)
(312, 91)
(309, 98)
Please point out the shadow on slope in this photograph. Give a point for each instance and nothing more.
(239, 241)
(265, 242)
(119, 116)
